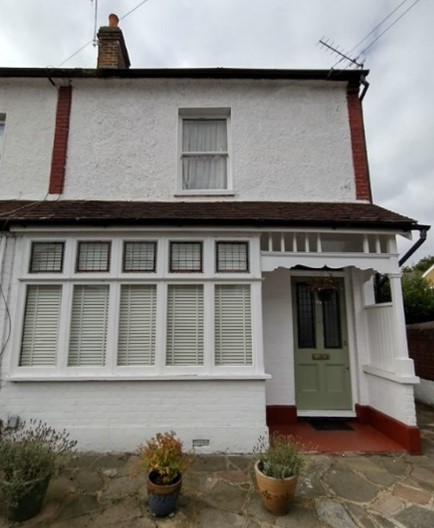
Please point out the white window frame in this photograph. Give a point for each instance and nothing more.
(206, 113)
(162, 278)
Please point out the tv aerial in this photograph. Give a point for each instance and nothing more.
(344, 55)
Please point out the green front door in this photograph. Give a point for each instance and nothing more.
(322, 370)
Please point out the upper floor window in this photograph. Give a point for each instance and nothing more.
(2, 131)
(205, 151)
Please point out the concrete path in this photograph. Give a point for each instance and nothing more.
(104, 491)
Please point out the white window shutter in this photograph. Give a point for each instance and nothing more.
(41, 326)
(233, 325)
(87, 343)
(185, 325)
(137, 325)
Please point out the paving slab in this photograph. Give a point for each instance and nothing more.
(88, 481)
(416, 517)
(80, 505)
(226, 497)
(212, 518)
(333, 514)
(360, 515)
(345, 483)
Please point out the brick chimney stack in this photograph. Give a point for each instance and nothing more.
(112, 51)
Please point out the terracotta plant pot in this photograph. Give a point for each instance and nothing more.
(162, 498)
(276, 494)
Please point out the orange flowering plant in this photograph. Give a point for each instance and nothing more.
(163, 458)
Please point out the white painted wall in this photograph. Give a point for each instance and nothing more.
(392, 398)
(25, 163)
(278, 338)
(290, 139)
(118, 416)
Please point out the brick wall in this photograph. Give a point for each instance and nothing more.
(421, 348)
(358, 144)
(60, 147)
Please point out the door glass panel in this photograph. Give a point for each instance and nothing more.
(305, 316)
(332, 322)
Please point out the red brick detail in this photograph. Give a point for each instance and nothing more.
(358, 143)
(60, 146)
(421, 349)
(281, 415)
(408, 436)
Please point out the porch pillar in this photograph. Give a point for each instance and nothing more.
(403, 365)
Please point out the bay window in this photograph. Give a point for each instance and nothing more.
(112, 308)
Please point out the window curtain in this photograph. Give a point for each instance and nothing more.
(204, 158)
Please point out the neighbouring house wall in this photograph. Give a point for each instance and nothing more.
(25, 164)
(421, 349)
(118, 416)
(278, 338)
(290, 140)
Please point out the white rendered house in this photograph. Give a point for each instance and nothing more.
(160, 234)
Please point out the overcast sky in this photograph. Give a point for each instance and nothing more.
(399, 106)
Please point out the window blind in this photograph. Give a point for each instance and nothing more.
(233, 325)
(41, 326)
(185, 325)
(137, 325)
(88, 336)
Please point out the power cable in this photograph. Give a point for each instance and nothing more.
(375, 28)
(92, 40)
(388, 27)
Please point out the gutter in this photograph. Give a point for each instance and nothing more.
(423, 230)
(365, 86)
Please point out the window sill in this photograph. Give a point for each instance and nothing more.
(107, 377)
(183, 194)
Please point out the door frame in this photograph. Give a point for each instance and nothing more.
(352, 349)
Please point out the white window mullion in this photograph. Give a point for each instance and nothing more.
(113, 327)
(208, 317)
(160, 328)
(257, 333)
(65, 319)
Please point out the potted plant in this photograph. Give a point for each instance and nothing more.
(164, 461)
(324, 286)
(29, 456)
(277, 469)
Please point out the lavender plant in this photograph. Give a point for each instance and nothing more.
(31, 453)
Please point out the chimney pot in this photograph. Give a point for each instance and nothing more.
(113, 20)
(112, 51)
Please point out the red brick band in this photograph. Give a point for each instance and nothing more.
(60, 146)
(358, 143)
